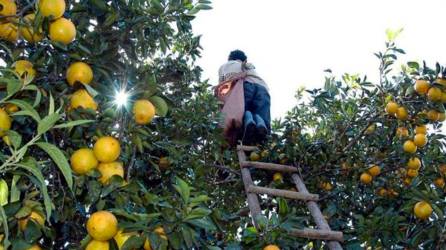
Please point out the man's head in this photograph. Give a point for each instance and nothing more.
(237, 55)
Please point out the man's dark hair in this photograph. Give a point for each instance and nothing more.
(237, 55)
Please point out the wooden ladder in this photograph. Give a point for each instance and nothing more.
(323, 232)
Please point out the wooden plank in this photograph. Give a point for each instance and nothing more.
(253, 200)
(283, 193)
(247, 148)
(269, 166)
(317, 234)
(315, 212)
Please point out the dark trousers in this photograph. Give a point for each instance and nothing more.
(257, 100)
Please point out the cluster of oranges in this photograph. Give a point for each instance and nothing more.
(104, 157)
(102, 226)
(13, 27)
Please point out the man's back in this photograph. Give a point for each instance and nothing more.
(234, 67)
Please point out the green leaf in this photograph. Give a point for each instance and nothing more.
(47, 123)
(198, 213)
(73, 123)
(15, 192)
(4, 192)
(31, 166)
(26, 108)
(13, 86)
(134, 242)
(90, 90)
(15, 138)
(51, 108)
(206, 224)
(4, 220)
(60, 160)
(160, 105)
(183, 189)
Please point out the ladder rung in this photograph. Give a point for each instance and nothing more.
(269, 166)
(317, 234)
(283, 193)
(247, 148)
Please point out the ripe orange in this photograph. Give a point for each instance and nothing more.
(271, 247)
(422, 87)
(27, 30)
(366, 178)
(402, 114)
(107, 149)
(443, 97)
(432, 115)
(98, 245)
(422, 210)
(439, 182)
(164, 163)
(160, 231)
(442, 169)
(414, 163)
(277, 177)
(52, 8)
(421, 129)
(143, 112)
(441, 117)
(35, 247)
(11, 108)
(62, 30)
(420, 140)
(83, 161)
(102, 225)
(107, 170)
(434, 94)
(264, 153)
(374, 171)
(121, 238)
(412, 173)
(327, 186)
(392, 108)
(407, 181)
(79, 72)
(402, 132)
(441, 81)
(82, 99)
(5, 122)
(9, 32)
(410, 147)
(392, 193)
(254, 156)
(37, 218)
(9, 8)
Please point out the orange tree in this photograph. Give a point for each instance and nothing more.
(104, 120)
(375, 153)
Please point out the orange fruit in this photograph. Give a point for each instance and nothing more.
(37, 218)
(35, 247)
(147, 245)
(409, 147)
(432, 115)
(277, 177)
(82, 99)
(442, 169)
(143, 112)
(107, 149)
(374, 171)
(366, 178)
(83, 161)
(392, 108)
(27, 30)
(8, 8)
(271, 247)
(254, 156)
(5, 122)
(402, 132)
(422, 210)
(164, 163)
(407, 181)
(107, 170)
(381, 192)
(414, 163)
(11, 108)
(441, 81)
(402, 114)
(412, 173)
(102, 225)
(434, 94)
(422, 87)
(98, 245)
(443, 97)
(420, 140)
(326, 186)
(439, 182)
(421, 129)
(62, 30)
(441, 117)
(79, 72)
(52, 8)
(9, 32)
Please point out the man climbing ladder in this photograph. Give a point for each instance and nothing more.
(257, 118)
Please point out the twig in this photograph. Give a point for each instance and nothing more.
(132, 163)
(226, 169)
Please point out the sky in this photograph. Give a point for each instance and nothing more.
(292, 42)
